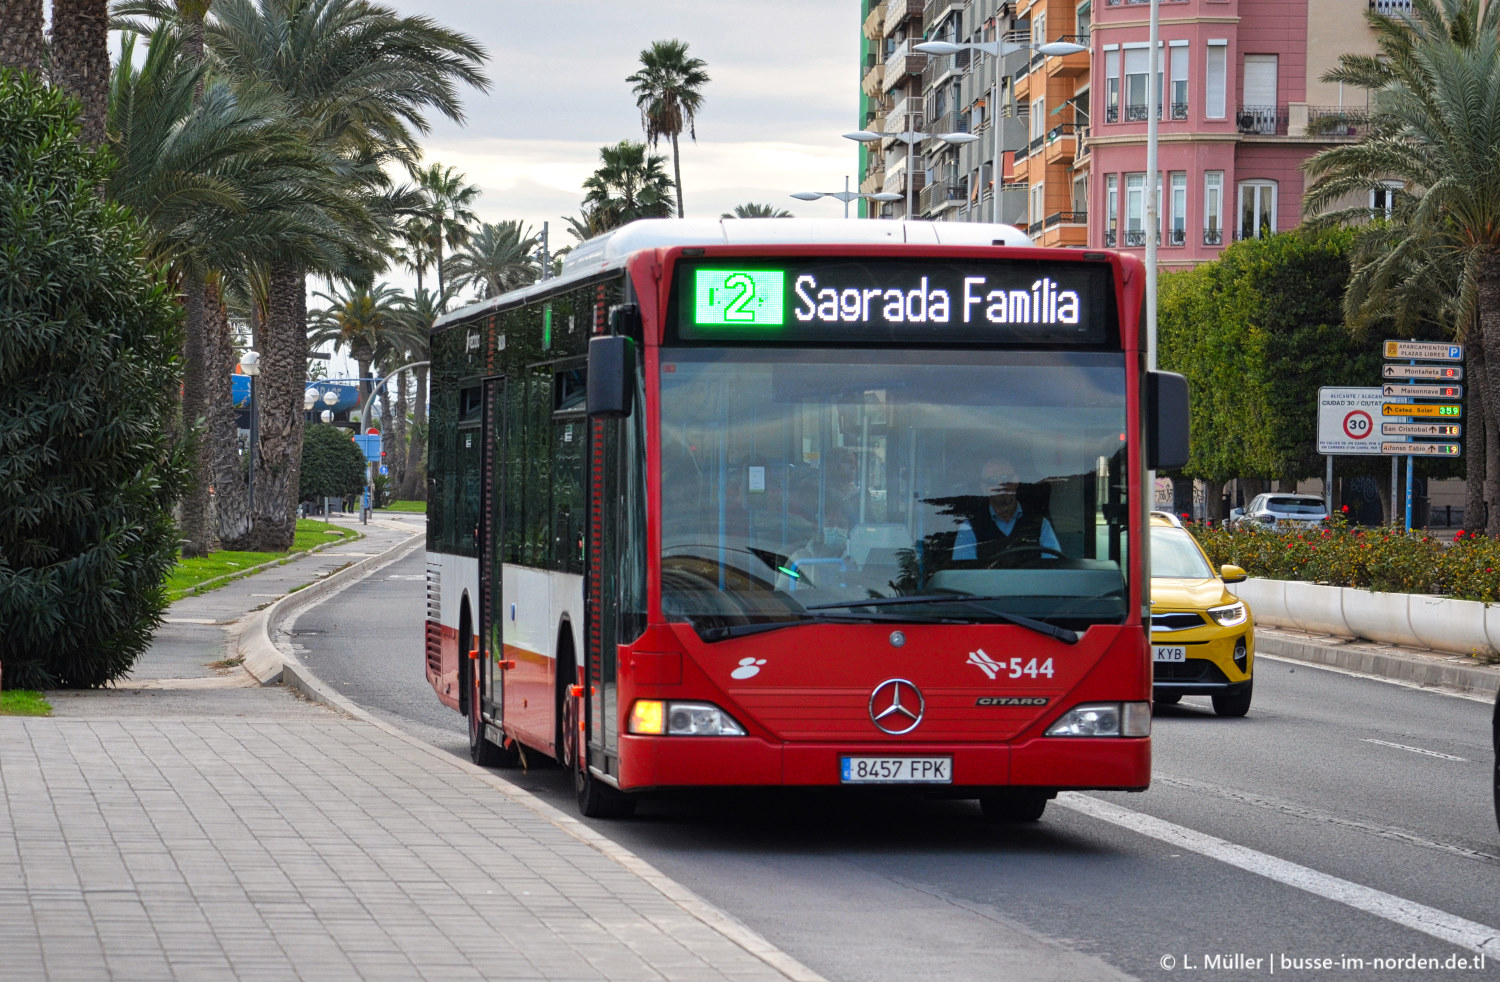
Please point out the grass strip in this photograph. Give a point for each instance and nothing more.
(200, 574)
(413, 507)
(23, 702)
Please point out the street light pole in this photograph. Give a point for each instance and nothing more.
(250, 365)
(846, 195)
(911, 138)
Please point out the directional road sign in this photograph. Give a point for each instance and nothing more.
(1421, 449)
(1424, 350)
(1421, 410)
(1451, 373)
(1423, 391)
(1421, 429)
(1346, 420)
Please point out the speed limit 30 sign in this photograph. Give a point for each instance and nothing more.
(1347, 420)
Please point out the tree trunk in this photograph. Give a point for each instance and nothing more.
(194, 527)
(279, 395)
(1213, 501)
(415, 488)
(677, 175)
(395, 455)
(1487, 302)
(21, 35)
(80, 59)
(231, 504)
(1489, 514)
(1476, 460)
(1182, 497)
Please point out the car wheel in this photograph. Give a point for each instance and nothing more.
(1170, 699)
(1233, 703)
(1011, 806)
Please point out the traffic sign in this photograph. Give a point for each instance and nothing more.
(1421, 449)
(1346, 420)
(1424, 350)
(384, 470)
(1421, 429)
(1451, 373)
(1423, 391)
(1421, 409)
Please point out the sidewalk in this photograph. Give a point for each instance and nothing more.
(194, 824)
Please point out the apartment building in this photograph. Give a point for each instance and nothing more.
(1240, 103)
(1241, 106)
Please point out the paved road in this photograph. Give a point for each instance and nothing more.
(1343, 819)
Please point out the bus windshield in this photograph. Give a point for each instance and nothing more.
(802, 485)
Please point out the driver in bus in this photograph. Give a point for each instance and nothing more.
(1005, 525)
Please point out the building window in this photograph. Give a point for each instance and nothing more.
(1213, 207)
(1135, 210)
(1080, 196)
(1038, 118)
(1038, 203)
(1039, 28)
(1179, 59)
(1213, 94)
(1111, 86)
(1111, 208)
(1135, 83)
(1083, 20)
(1179, 209)
(1383, 199)
(1257, 209)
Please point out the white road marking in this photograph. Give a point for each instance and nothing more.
(1483, 697)
(1415, 750)
(1478, 938)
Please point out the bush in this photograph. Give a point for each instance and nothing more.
(333, 466)
(89, 375)
(1384, 559)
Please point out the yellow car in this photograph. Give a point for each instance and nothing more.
(1202, 636)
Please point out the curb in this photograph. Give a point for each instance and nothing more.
(206, 586)
(1436, 669)
(252, 642)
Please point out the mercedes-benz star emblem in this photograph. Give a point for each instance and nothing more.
(896, 706)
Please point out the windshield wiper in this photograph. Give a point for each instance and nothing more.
(1063, 634)
(760, 627)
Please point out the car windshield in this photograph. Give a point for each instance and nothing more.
(1297, 506)
(798, 483)
(1174, 555)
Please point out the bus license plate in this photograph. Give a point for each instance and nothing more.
(1169, 652)
(897, 770)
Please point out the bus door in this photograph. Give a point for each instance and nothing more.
(491, 555)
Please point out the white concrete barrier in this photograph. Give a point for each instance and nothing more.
(1412, 620)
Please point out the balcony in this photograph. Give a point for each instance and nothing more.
(1133, 238)
(1067, 66)
(875, 23)
(1392, 8)
(1110, 238)
(897, 11)
(871, 85)
(1336, 123)
(1082, 153)
(1261, 120)
(1135, 112)
(908, 114)
(1061, 144)
(1179, 110)
(1176, 237)
(940, 196)
(1063, 228)
(940, 67)
(903, 61)
(1213, 236)
(934, 11)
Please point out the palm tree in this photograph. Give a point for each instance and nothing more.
(359, 80)
(446, 211)
(753, 210)
(417, 315)
(667, 91)
(80, 59)
(586, 224)
(362, 321)
(1434, 127)
(21, 34)
(497, 258)
(628, 185)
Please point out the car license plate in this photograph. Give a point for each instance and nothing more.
(897, 770)
(1169, 652)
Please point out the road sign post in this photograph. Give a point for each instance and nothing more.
(1446, 375)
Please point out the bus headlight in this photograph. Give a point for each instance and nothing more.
(1229, 615)
(652, 717)
(1104, 719)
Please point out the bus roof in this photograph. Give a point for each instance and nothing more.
(609, 251)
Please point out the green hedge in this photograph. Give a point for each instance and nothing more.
(1384, 559)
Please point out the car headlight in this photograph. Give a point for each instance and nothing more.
(1104, 719)
(1229, 615)
(652, 717)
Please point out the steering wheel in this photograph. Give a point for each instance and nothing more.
(1013, 552)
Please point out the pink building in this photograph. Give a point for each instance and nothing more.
(1239, 81)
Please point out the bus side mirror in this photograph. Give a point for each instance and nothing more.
(611, 377)
(1166, 421)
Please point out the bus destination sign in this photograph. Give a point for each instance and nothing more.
(877, 299)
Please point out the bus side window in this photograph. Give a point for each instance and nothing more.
(570, 430)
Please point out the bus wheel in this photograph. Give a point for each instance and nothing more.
(482, 750)
(1012, 805)
(597, 799)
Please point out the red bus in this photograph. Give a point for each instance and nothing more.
(783, 503)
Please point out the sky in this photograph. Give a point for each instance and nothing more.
(784, 87)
